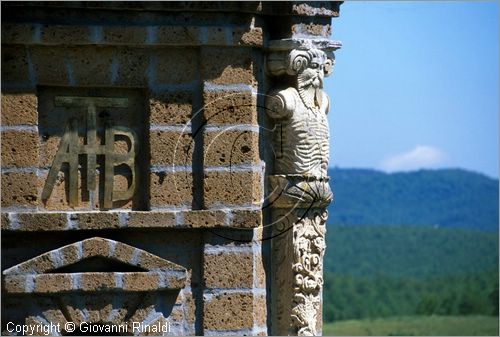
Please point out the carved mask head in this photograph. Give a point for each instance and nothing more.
(309, 66)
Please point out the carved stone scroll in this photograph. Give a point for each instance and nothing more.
(299, 188)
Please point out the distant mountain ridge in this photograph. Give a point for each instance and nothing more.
(444, 198)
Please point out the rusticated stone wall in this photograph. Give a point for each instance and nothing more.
(135, 150)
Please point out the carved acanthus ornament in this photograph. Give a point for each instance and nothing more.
(299, 188)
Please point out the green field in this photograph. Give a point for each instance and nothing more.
(416, 326)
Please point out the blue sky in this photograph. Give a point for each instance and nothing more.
(415, 86)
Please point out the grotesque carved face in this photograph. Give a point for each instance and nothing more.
(314, 73)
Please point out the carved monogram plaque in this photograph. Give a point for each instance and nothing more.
(94, 141)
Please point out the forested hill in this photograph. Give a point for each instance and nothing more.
(445, 198)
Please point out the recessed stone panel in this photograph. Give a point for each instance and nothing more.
(96, 140)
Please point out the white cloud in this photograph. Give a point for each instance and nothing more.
(421, 156)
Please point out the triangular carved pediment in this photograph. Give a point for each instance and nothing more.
(94, 264)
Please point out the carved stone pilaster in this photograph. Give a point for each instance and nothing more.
(299, 189)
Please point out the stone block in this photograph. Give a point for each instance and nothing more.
(170, 108)
(93, 66)
(260, 271)
(124, 252)
(17, 33)
(232, 188)
(169, 189)
(227, 147)
(175, 65)
(4, 219)
(98, 220)
(19, 109)
(95, 282)
(200, 219)
(171, 148)
(96, 247)
(226, 65)
(177, 35)
(70, 254)
(214, 36)
(246, 219)
(64, 34)
(14, 283)
(228, 270)
(132, 67)
(40, 265)
(124, 34)
(229, 237)
(140, 281)
(19, 149)
(19, 189)
(50, 283)
(260, 310)
(312, 28)
(42, 221)
(248, 37)
(152, 219)
(228, 311)
(51, 65)
(229, 107)
(15, 68)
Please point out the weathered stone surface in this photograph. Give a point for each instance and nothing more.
(315, 29)
(260, 310)
(93, 66)
(59, 199)
(229, 107)
(96, 247)
(177, 35)
(246, 219)
(228, 147)
(171, 148)
(140, 282)
(124, 34)
(4, 219)
(232, 188)
(17, 33)
(170, 108)
(171, 189)
(19, 109)
(50, 65)
(19, 189)
(200, 219)
(50, 283)
(19, 149)
(228, 270)
(227, 65)
(15, 68)
(175, 66)
(96, 220)
(228, 311)
(248, 37)
(132, 65)
(259, 270)
(152, 219)
(67, 34)
(43, 221)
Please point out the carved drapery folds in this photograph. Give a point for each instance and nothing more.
(299, 189)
